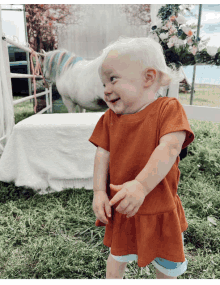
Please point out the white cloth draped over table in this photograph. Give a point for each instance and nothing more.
(51, 152)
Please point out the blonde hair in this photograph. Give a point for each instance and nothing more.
(149, 53)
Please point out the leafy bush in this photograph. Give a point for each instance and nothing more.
(203, 154)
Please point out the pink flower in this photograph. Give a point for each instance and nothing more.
(190, 33)
(172, 30)
(181, 20)
(189, 41)
(172, 18)
(168, 24)
(193, 50)
(172, 41)
(187, 31)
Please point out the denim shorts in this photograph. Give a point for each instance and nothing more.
(167, 267)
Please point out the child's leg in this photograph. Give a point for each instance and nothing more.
(115, 269)
(160, 275)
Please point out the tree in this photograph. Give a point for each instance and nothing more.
(137, 13)
(42, 22)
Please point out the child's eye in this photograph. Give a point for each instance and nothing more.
(104, 85)
(112, 78)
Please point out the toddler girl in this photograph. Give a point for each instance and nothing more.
(136, 174)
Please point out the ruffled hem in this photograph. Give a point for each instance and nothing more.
(148, 236)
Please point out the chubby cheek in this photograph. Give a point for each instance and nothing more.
(130, 94)
(129, 88)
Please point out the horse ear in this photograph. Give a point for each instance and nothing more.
(42, 55)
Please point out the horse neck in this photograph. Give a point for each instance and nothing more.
(55, 62)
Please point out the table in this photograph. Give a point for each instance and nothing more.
(51, 152)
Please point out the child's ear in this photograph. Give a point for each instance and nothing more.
(149, 76)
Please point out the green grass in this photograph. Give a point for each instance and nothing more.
(54, 236)
(23, 110)
(205, 95)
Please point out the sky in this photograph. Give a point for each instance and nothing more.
(13, 24)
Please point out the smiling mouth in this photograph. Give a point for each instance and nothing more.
(113, 101)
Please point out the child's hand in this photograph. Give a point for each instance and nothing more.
(101, 206)
(132, 194)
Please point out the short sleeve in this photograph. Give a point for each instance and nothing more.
(100, 135)
(173, 119)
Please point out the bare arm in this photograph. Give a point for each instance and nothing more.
(161, 160)
(100, 169)
(101, 205)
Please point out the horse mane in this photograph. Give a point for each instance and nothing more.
(58, 61)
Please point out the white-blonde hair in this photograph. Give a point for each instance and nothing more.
(148, 52)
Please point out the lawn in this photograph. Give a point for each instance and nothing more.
(205, 95)
(54, 236)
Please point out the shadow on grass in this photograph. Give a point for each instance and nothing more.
(10, 192)
(22, 116)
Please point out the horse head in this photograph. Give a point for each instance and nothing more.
(56, 62)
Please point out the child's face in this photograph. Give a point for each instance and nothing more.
(123, 80)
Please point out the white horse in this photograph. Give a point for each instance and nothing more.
(77, 80)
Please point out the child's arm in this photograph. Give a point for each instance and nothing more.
(101, 206)
(100, 169)
(132, 193)
(161, 160)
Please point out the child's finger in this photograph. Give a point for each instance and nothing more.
(120, 195)
(108, 209)
(116, 187)
(101, 216)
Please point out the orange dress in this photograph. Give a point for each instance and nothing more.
(155, 230)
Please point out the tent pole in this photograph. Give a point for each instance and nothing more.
(194, 68)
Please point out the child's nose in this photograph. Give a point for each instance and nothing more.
(108, 89)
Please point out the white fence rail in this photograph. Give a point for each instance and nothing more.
(19, 75)
(47, 92)
(202, 113)
(10, 41)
